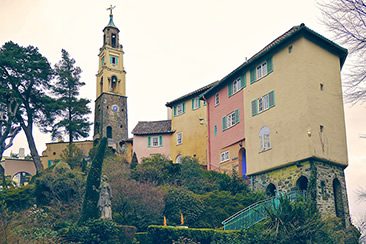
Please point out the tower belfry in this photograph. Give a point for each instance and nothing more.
(111, 101)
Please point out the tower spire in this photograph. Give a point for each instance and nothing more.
(111, 23)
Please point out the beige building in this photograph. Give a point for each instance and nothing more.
(53, 151)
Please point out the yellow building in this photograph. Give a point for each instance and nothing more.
(53, 151)
(189, 123)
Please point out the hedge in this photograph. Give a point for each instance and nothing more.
(162, 234)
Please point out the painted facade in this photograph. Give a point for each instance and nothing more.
(225, 138)
(53, 151)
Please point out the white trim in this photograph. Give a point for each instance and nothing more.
(179, 138)
(224, 156)
(152, 138)
(217, 99)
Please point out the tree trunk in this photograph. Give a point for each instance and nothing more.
(33, 149)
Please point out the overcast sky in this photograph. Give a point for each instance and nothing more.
(171, 47)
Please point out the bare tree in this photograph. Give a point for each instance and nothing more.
(347, 20)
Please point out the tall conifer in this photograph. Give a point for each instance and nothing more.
(73, 111)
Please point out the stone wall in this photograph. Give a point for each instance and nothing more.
(111, 110)
(285, 179)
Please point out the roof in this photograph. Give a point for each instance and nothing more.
(191, 94)
(153, 127)
(277, 44)
(111, 23)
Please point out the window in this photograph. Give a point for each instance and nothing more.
(179, 109)
(224, 156)
(264, 138)
(113, 82)
(109, 132)
(179, 138)
(114, 40)
(217, 99)
(103, 61)
(215, 130)
(261, 70)
(155, 141)
(230, 120)
(263, 103)
(236, 85)
(113, 59)
(195, 103)
(179, 159)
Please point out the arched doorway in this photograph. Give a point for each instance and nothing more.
(178, 159)
(271, 190)
(338, 199)
(21, 178)
(242, 163)
(302, 184)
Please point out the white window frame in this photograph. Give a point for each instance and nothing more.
(265, 139)
(155, 141)
(179, 138)
(236, 86)
(196, 103)
(261, 70)
(224, 156)
(231, 120)
(217, 99)
(179, 109)
(263, 103)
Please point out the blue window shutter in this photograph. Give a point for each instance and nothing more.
(254, 107)
(184, 109)
(237, 114)
(269, 65)
(243, 81)
(252, 75)
(224, 123)
(271, 99)
(161, 140)
(149, 141)
(175, 111)
(230, 89)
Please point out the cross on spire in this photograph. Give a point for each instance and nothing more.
(111, 9)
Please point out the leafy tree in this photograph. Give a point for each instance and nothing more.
(25, 74)
(73, 156)
(73, 111)
(90, 204)
(347, 20)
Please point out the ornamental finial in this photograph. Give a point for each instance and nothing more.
(111, 9)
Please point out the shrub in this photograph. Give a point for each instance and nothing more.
(98, 231)
(18, 199)
(73, 156)
(90, 204)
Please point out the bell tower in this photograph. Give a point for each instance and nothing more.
(111, 102)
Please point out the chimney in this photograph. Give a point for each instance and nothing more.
(21, 153)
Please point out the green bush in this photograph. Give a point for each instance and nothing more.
(18, 199)
(143, 238)
(98, 231)
(90, 204)
(161, 234)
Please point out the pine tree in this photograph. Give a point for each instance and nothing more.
(25, 75)
(90, 205)
(73, 111)
(134, 161)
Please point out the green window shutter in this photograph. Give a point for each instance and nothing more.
(271, 99)
(116, 60)
(175, 111)
(224, 123)
(184, 107)
(230, 89)
(49, 163)
(254, 107)
(110, 59)
(161, 140)
(215, 130)
(269, 65)
(252, 75)
(199, 102)
(149, 141)
(237, 116)
(243, 81)
(192, 103)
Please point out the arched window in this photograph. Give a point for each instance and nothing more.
(101, 84)
(271, 190)
(178, 159)
(302, 184)
(114, 40)
(264, 138)
(113, 82)
(109, 132)
(338, 199)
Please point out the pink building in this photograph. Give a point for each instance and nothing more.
(225, 105)
(152, 137)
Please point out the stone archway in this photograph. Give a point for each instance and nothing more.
(302, 184)
(21, 178)
(338, 200)
(271, 190)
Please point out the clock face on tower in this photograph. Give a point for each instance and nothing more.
(115, 108)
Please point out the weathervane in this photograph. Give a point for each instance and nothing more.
(111, 9)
